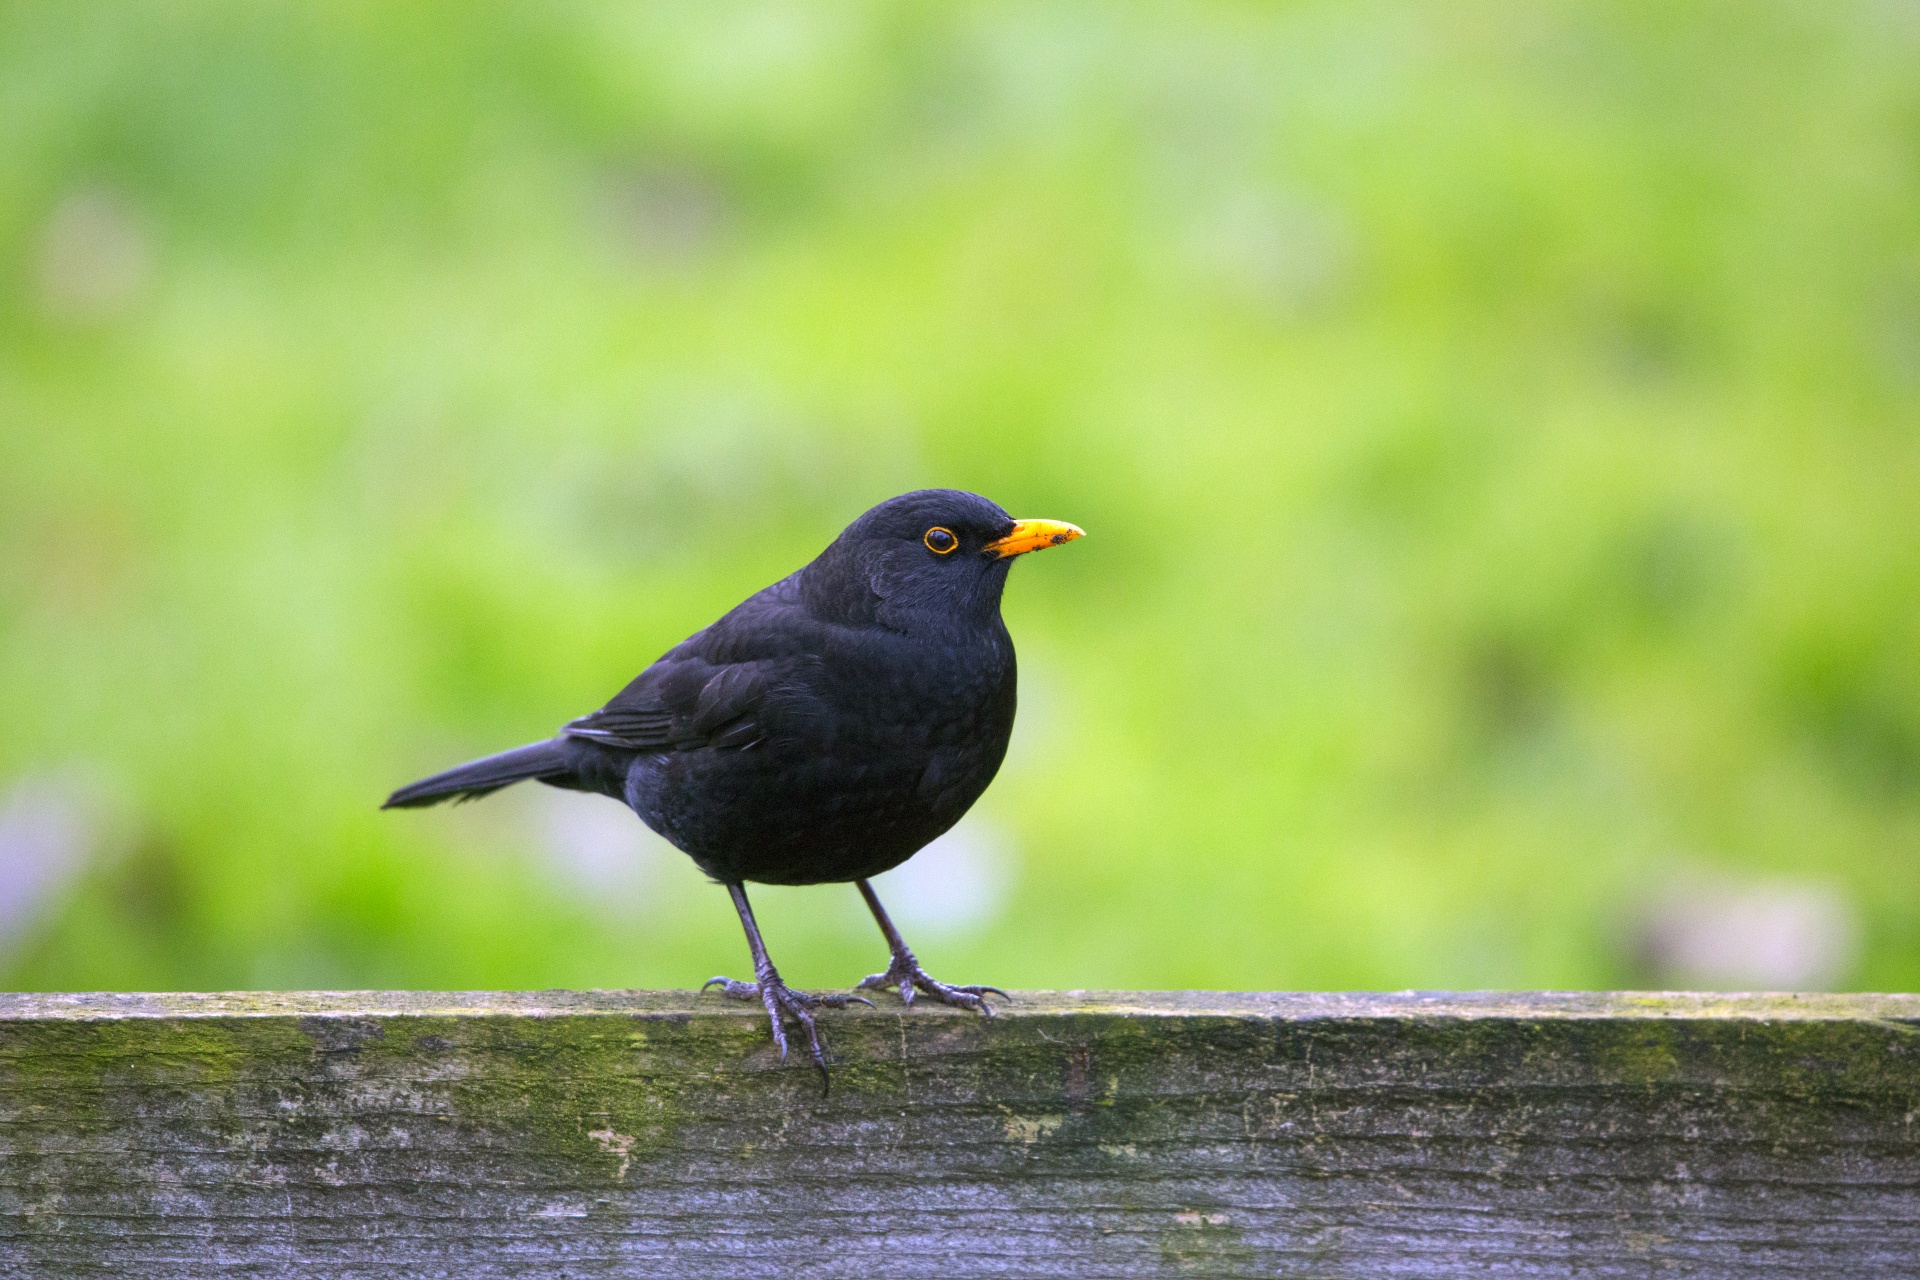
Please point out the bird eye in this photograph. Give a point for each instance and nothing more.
(940, 541)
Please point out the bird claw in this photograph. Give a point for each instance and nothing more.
(783, 1002)
(906, 976)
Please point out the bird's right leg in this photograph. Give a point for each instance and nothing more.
(780, 1000)
(904, 973)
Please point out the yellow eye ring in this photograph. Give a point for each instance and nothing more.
(940, 541)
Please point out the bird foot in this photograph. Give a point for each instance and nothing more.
(906, 975)
(783, 1002)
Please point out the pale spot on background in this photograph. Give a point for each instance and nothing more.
(1718, 933)
(603, 855)
(956, 885)
(47, 835)
(94, 259)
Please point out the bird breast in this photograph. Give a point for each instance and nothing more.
(888, 752)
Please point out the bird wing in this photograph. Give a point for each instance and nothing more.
(682, 704)
(631, 724)
(719, 688)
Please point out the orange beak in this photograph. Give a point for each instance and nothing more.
(1033, 535)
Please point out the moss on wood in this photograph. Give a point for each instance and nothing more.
(642, 1133)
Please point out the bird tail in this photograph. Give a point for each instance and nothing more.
(476, 778)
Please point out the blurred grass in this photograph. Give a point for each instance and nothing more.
(1496, 423)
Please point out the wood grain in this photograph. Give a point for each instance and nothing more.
(1078, 1134)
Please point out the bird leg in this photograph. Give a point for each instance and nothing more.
(781, 1001)
(906, 975)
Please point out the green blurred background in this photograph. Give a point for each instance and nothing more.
(1495, 424)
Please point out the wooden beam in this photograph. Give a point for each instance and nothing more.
(1077, 1134)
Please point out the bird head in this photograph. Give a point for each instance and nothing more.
(941, 552)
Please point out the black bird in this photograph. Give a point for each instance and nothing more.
(824, 730)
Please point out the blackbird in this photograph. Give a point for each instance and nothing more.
(824, 730)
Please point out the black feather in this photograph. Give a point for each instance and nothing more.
(476, 778)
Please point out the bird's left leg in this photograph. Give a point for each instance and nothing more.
(905, 973)
(781, 1001)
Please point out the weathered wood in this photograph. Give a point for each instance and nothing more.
(1084, 1134)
